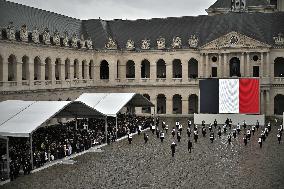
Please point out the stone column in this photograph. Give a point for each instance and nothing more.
(86, 70)
(19, 73)
(112, 70)
(169, 105)
(207, 66)
(79, 69)
(92, 71)
(137, 71)
(267, 105)
(153, 99)
(42, 71)
(268, 65)
(272, 70)
(169, 71)
(53, 79)
(153, 70)
(61, 69)
(220, 68)
(248, 65)
(262, 102)
(242, 65)
(184, 69)
(262, 71)
(184, 105)
(71, 74)
(201, 66)
(226, 74)
(31, 72)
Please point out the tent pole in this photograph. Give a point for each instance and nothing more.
(116, 126)
(31, 146)
(106, 128)
(8, 158)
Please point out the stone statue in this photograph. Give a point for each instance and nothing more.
(35, 35)
(56, 38)
(130, 45)
(145, 44)
(11, 31)
(176, 44)
(74, 40)
(24, 34)
(65, 39)
(89, 43)
(279, 40)
(82, 42)
(193, 41)
(111, 44)
(46, 37)
(161, 43)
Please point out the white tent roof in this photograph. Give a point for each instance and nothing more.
(111, 103)
(24, 117)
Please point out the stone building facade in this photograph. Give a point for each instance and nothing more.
(165, 64)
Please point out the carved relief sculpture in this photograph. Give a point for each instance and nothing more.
(74, 41)
(24, 33)
(82, 42)
(161, 43)
(176, 44)
(56, 38)
(65, 39)
(11, 31)
(111, 44)
(46, 36)
(193, 41)
(145, 44)
(279, 40)
(89, 43)
(35, 35)
(130, 44)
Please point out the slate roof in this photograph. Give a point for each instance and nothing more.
(227, 3)
(260, 26)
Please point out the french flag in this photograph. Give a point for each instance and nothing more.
(230, 96)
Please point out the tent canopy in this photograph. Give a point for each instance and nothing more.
(24, 117)
(111, 103)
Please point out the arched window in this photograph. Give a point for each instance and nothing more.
(279, 104)
(84, 69)
(37, 69)
(12, 68)
(146, 109)
(145, 69)
(104, 70)
(279, 67)
(235, 67)
(177, 104)
(25, 68)
(67, 69)
(130, 69)
(91, 69)
(193, 104)
(76, 69)
(161, 104)
(57, 69)
(161, 69)
(193, 68)
(48, 69)
(177, 68)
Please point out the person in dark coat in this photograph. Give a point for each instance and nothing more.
(189, 145)
(173, 148)
(215, 123)
(129, 138)
(210, 127)
(260, 141)
(173, 132)
(219, 132)
(188, 132)
(279, 137)
(253, 129)
(178, 136)
(162, 136)
(211, 137)
(229, 138)
(157, 132)
(195, 134)
(245, 139)
(257, 125)
(146, 137)
(203, 131)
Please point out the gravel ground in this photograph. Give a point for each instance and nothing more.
(217, 165)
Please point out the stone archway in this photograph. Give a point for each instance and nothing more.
(12, 68)
(104, 70)
(235, 67)
(161, 104)
(177, 68)
(192, 68)
(177, 104)
(130, 69)
(279, 67)
(145, 69)
(161, 69)
(279, 104)
(193, 104)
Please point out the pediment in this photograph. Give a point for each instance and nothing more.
(234, 40)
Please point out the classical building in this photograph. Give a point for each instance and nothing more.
(48, 56)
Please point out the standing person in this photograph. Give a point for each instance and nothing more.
(238, 128)
(248, 134)
(180, 128)
(195, 133)
(189, 145)
(188, 132)
(153, 128)
(266, 131)
(215, 123)
(257, 125)
(234, 133)
(279, 137)
(162, 136)
(260, 141)
(203, 123)
(139, 129)
(225, 128)
(146, 137)
(129, 138)
(245, 139)
(244, 124)
(253, 129)
(210, 127)
(230, 123)
(211, 137)
(173, 148)
(269, 126)
(167, 128)
(178, 136)
(163, 125)
(263, 135)
(203, 131)
(229, 138)
(173, 132)
(189, 123)
(219, 132)
(157, 132)
(177, 124)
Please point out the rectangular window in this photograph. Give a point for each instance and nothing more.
(256, 71)
(214, 72)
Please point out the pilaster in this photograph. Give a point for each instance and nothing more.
(169, 70)
(169, 105)
(262, 71)
(184, 69)
(220, 68)
(137, 71)
(207, 66)
(184, 105)
(268, 71)
(247, 74)
(226, 74)
(242, 65)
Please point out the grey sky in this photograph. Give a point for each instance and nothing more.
(121, 9)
